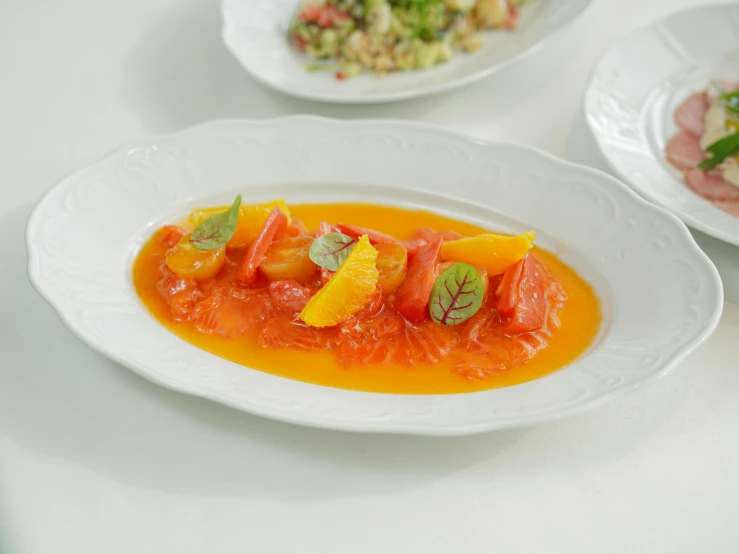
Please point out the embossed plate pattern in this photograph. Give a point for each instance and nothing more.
(256, 33)
(661, 295)
(637, 85)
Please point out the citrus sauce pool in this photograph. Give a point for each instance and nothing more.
(580, 318)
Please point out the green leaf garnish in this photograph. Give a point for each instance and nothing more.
(218, 229)
(456, 295)
(330, 250)
(730, 100)
(721, 149)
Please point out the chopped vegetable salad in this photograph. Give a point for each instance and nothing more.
(383, 36)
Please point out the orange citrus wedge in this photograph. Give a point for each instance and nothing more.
(251, 220)
(496, 253)
(348, 290)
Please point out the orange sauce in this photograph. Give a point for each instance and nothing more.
(580, 318)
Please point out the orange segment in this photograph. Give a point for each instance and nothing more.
(251, 219)
(350, 288)
(496, 253)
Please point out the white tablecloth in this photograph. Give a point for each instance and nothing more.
(95, 460)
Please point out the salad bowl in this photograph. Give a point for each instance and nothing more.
(256, 33)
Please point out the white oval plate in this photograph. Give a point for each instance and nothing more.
(660, 294)
(256, 33)
(637, 85)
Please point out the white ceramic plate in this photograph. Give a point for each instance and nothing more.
(633, 94)
(660, 294)
(256, 33)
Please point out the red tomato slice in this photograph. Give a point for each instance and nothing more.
(301, 43)
(413, 294)
(290, 296)
(375, 237)
(522, 299)
(325, 16)
(273, 229)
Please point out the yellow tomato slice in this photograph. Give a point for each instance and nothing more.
(350, 288)
(495, 253)
(190, 263)
(251, 220)
(289, 259)
(392, 262)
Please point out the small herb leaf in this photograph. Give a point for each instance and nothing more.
(730, 100)
(721, 149)
(456, 295)
(218, 229)
(330, 250)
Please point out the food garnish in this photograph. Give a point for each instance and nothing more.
(457, 295)
(218, 229)
(730, 100)
(330, 250)
(348, 290)
(721, 149)
(251, 220)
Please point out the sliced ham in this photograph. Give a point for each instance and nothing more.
(711, 186)
(730, 206)
(684, 151)
(690, 115)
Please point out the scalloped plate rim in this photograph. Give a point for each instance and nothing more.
(375, 427)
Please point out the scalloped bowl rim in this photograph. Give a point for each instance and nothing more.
(45, 291)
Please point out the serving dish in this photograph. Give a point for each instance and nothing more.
(257, 35)
(660, 295)
(635, 90)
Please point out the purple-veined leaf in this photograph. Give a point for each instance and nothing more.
(457, 295)
(218, 229)
(330, 250)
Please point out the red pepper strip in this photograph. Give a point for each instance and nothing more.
(273, 229)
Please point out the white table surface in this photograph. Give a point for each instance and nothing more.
(94, 459)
